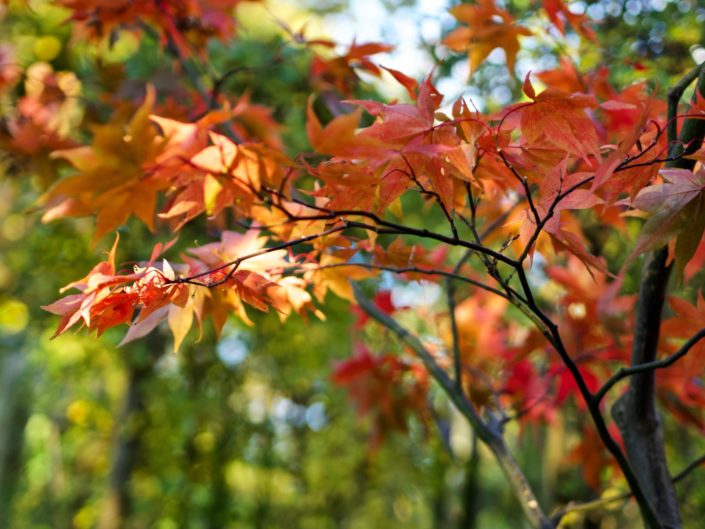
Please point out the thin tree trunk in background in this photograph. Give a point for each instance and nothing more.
(13, 417)
(117, 505)
(263, 500)
(471, 488)
(219, 510)
(439, 491)
(552, 458)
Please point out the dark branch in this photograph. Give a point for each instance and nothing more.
(674, 97)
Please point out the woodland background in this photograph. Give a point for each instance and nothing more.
(252, 432)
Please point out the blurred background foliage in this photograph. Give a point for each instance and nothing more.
(250, 432)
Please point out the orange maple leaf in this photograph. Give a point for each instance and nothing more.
(560, 119)
(489, 27)
(340, 72)
(559, 13)
(111, 181)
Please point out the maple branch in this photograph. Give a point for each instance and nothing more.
(393, 227)
(625, 372)
(689, 468)
(490, 266)
(526, 408)
(588, 506)
(472, 224)
(627, 162)
(235, 263)
(671, 129)
(400, 229)
(516, 108)
(410, 269)
(498, 221)
(643, 151)
(509, 294)
(219, 81)
(487, 434)
(473, 205)
(194, 78)
(450, 296)
(650, 162)
(551, 210)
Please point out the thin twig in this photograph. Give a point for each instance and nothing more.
(439, 200)
(625, 372)
(236, 262)
(194, 77)
(525, 185)
(400, 229)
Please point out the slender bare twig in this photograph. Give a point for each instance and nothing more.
(457, 361)
(194, 77)
(439, 200)
(625, 372)
(401, 229)
(525, 185)
(450, 295)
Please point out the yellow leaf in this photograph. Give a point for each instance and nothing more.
(211, 190)
(180, 321)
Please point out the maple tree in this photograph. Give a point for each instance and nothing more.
(537, 318)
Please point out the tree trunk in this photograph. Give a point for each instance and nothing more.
(635, 412)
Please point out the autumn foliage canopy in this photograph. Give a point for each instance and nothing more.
(541, 215)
